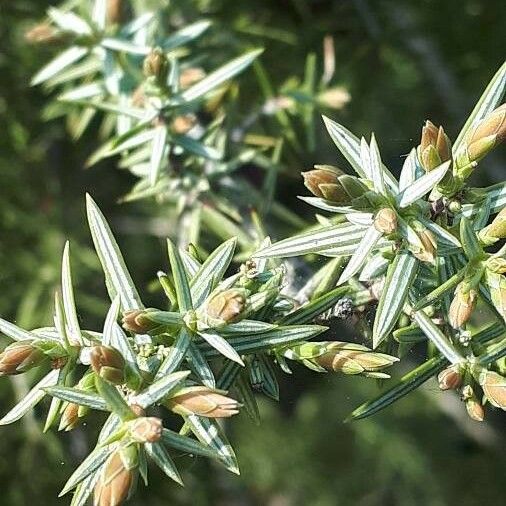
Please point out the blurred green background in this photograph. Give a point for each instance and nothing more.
(402, 62)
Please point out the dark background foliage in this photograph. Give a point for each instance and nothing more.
(402, 62)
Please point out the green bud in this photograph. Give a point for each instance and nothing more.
(487, 134)
(495, 231)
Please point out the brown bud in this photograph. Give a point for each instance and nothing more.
(139, 97)
(203, 401)
(462, 306)
(475, 409)
(324, 183)
(108, 364)
(486, 135)
(226, 306)
(190, 76)
(450, 378)
(137, 321)
(183, 124)
(494, 387)
(385, 221)
(117, 478)
(43, 33)
(146, 429)
(493, 126)
(349, 358)
(427, 251)
(20, 356)
(435, 147)
(114, 11)
(156, 65)
(70, 417)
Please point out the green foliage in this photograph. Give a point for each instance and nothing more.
(185, 106)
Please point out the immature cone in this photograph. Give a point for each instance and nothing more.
(494, 387)
(385, 221)
(350, 358)
(203, 401)
(226, 306)
(324, 182)
(156, 65)
(486, 135)
(117, 478)
(450, 378)
(20, 356)
(435, 147)
(108, 364)
(496, 230)
(146, 429)
(462, 306)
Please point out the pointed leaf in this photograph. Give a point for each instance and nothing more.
(160, 389)
(219, 76)
(31, 399)
(221, 345)
(118, 279)
(422, 185)
(161, 457)
(69, 305)
(62, 61)
(181, 285)
(366, 245)
(399, 279)
(76, 396)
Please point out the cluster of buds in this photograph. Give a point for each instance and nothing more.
(486, 135)
(202, 401)
(118, 477)
(462, 305)
(495, 231)
(21, 356)
(156, 66)
(225, 307)
(385, 221)
(332, 184)
(434, 148)
(108, 363)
